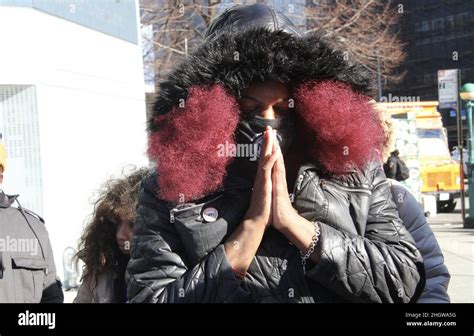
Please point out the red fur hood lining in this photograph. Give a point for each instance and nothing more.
(341, 130)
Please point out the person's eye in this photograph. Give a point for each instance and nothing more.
(283, 110)
(250, 110)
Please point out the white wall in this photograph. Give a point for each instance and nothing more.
(91, 110)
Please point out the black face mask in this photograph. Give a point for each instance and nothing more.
(250, 133)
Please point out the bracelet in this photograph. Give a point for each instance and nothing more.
(312, 246)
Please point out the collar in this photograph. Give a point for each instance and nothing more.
(6, 201)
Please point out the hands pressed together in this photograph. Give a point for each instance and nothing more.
(270, 205)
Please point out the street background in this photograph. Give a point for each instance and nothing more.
(75, 114)
(457, 245)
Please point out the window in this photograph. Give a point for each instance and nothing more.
(462, 19)
(18, 117)
(432, 142)
(417, 27)
(450, 26)
(425, 26)
(437, 24)
(450, 22)
(427, 78)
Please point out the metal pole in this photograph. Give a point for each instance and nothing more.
(461, 149)
(468, 224)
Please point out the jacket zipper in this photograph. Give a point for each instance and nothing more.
(323, 183)
(296, 187)
(298, 183)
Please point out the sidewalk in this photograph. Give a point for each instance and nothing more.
(457, 245)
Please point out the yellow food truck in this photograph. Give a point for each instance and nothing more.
(439, 174)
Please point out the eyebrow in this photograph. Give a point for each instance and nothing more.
(255, 99)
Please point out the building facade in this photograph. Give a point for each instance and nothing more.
(439, 35)
(72, 108)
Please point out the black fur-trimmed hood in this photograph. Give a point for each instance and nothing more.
(240, 55)
(196, 108)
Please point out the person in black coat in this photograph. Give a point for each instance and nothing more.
(267, 186)
(390, 167)
(437, 273)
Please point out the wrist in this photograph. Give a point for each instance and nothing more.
(287, 222)
(254, 224)
(309, 252)
(300, 232)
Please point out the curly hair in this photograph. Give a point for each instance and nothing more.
(116, 203)
(389, 136)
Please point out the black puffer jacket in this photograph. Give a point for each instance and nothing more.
(366, 253)
(177, 256)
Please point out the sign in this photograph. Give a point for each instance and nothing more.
(448, 88)
(406, 141)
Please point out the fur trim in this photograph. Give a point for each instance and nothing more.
(342, 130)
(186, 144)
(184, 140)
(258, 54)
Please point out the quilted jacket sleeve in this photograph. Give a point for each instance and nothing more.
(437, 274)
(382, 266)
(156, 271)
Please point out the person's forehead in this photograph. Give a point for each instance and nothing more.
(267, 91)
